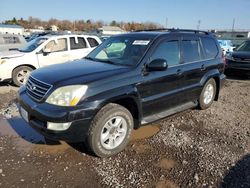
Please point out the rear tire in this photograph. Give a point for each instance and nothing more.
(208, 94)
(110, 130)
(20, 75)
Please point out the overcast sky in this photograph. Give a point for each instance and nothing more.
(213, 14)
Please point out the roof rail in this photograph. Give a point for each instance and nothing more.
(176, 30)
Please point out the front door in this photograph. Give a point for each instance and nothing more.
(54, 52)
(160, 90)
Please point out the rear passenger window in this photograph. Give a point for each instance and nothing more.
(77, 43)
(92, 42)
(168, 50)
(210, 47)
(190, 50)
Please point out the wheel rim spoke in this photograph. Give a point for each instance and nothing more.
(22, 76)
(208, 94)
(113, 132)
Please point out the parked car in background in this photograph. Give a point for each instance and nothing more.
(128, 81)
(43, 51)
(36, 35)
(226, 45)
(11, 42)
(238, 62)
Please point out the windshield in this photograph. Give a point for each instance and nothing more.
(32, 45)
(245, 46)
(121, 50)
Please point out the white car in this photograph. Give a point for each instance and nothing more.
(226, 46)
(43, 51)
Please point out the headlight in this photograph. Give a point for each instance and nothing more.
(2, 61)
(229, 56)
(68, 95)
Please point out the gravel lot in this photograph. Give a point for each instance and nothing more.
(209, 148)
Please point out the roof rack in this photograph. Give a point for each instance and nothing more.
(176, 30)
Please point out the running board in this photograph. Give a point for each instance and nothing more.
(164, 114)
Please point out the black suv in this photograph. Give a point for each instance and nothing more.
(127, 81)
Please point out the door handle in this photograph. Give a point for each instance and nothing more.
(203, 67)
(179, 72)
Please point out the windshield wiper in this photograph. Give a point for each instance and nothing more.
(90, 58)
(107, 61)
(100, 60)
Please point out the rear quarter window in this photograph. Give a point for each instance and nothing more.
(92, 42)
(210, 47)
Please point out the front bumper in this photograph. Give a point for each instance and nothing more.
(239, 68)
(41, 113)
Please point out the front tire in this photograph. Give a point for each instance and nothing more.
(208, 94)
(110, 130)
(20, 75)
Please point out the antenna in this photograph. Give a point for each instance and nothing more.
(198, 24)
(233, 27)
(166, 22)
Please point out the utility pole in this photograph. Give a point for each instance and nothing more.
(166, 22)
(233, 28)
(198, 24)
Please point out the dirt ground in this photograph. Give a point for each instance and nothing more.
(209, 148)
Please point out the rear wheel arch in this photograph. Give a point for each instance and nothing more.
(215, 74)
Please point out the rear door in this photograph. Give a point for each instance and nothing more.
(79, 47)
(195, 66)
(160, 89)
(55, 51)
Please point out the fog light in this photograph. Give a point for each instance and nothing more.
(58, 126)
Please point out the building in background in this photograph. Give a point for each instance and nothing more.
(54, 28)
(110, 30)
(237, 36)
(11, 29)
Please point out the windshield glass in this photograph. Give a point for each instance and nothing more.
(245, 46)
(32, 45)
(121, 50)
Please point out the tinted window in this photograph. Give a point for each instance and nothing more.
(77, 43)
(92, 42)
(168, 50)
(210, 47)
(190, 50)
(56, 46)
(245, 46)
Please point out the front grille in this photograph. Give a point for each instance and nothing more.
(37, 89)
(247, 60)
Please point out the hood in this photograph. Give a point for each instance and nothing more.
(10, 54)
(241, 55)
(77, 72)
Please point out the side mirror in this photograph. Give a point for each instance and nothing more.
(157, 65)
(46, 51)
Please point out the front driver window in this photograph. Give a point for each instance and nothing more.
(56, 46)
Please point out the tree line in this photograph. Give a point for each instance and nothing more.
(79, 25)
